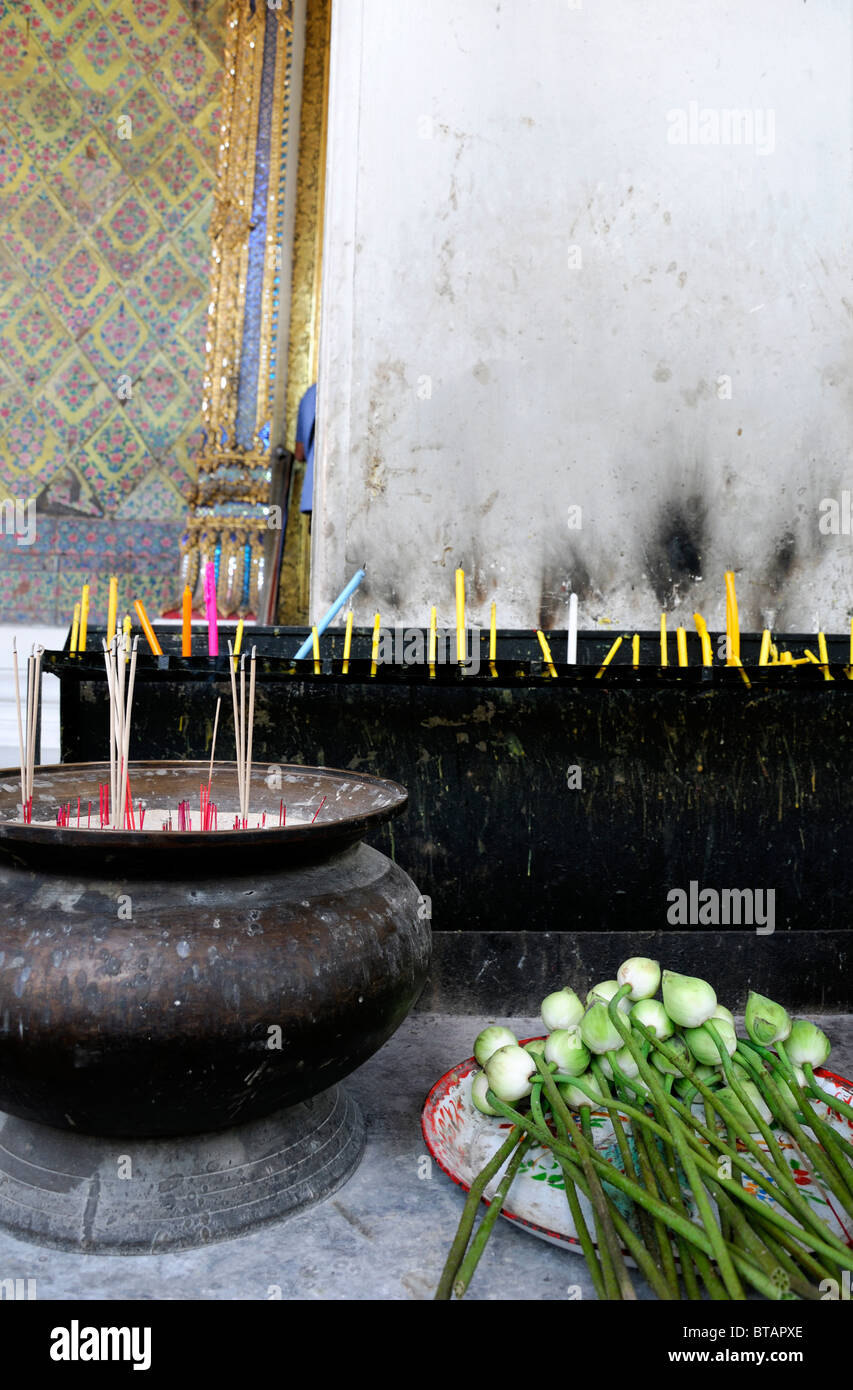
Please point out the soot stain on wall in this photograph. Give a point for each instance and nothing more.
(674, 554)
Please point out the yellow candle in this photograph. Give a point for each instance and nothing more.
(786, 659)
(732, 624)
(705, 639)
(238, 642)
(745, 678)
(315, 643)
(609, 657)
(460, 615)
(824, 657)
(112, 608)
(851, 642)
(84, 618)
(347, 643)
(150, 636)
(75, 627)
(187, 622)
(635, 650)
(126, 625)
(374, 648)
(546, 651)
(664, 659)
(681, 644)
(493, 633)
(433, 640)
(765, 647)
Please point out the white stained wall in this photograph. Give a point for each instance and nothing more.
(552, 280)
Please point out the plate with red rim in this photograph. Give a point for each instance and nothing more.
(462, 1140)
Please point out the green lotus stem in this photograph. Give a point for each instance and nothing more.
(720, 1249)
(733, 1081)
(587, 1245)
(469, 1212)
(692, 1230)
(484, 1230)
(660, 1233)
(821, 1162)
(777, 1169)
(755, 1242)
(670, 1189)
(803, 1257)
(834, 1102)
(798, 1282)
(607, 1235)
(633, 1244)
(647, 1228)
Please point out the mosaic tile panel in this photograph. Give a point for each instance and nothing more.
(109, 128)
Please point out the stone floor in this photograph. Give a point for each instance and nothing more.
(383, 1236)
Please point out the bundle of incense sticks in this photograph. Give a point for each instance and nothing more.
(244, 725)
(120, 804)
(27, 732)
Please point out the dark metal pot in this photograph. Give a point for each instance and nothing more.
(157, 984)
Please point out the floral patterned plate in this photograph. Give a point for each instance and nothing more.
(462, 1141)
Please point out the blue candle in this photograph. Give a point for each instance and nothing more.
(336, 607)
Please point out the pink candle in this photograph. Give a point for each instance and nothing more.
(210, 607)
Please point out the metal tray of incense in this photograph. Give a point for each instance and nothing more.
(188, 999)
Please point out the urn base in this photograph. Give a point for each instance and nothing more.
(120, 1196)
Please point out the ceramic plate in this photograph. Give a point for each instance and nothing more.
(462, 1141)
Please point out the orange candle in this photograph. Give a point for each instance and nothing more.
(187, 630)
(147, 628)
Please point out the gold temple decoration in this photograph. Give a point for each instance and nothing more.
(233, 513)
(303, 340)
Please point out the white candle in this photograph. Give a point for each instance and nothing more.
(572, 655)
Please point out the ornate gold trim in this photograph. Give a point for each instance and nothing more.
(303, 340)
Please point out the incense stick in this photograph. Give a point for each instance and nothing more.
(126, 725)
(213, 744)
(20, 730)
(243, 730)
(248, 778)
(238, 751)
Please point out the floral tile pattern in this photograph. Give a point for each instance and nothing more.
(109, 130)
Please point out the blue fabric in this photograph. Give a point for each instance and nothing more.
(305, 436)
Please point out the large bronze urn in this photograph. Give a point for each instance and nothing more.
(184, 1002)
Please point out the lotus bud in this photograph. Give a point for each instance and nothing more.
(689, 1001)
(598, 1032)
(479, 1087)
(642, 974)
(739, 1112)
(787, 1093)
(766, 1021)
(565, 1047)
(562, 1009)
(807, 1043)
(490, 1040)
(703, 1046)
(711, 1076)
(509, 1071)
(536, 1047)
(604, 992)
(575, 1097)
(679, 1046)
(652, 1014)
(624, 1060)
